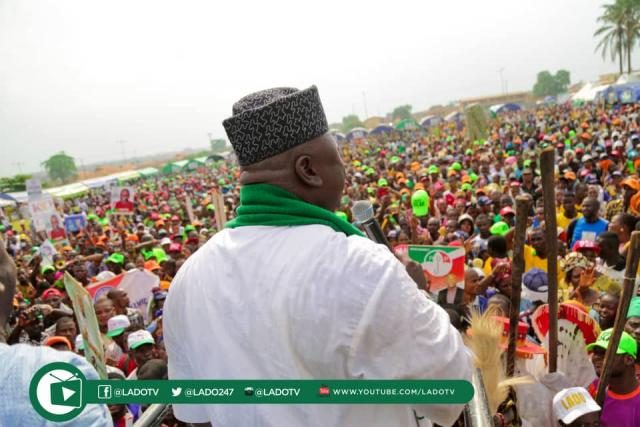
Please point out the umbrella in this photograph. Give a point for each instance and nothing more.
(407, 124)
(357, 133)
(429, 121)
(5, 196)
(381, 129)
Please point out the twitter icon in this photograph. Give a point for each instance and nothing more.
(175, 392)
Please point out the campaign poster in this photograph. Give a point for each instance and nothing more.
(41, 209)
(48, 252)
(34, 187)
(87, 323)
(443, 265)
(75, 223)
(136, 283)
(54, 227)
(122, 200)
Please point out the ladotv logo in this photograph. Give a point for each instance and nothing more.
(56, 392)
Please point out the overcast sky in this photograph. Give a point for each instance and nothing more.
(80, 75)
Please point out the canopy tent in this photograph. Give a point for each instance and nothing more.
(19, 196)
(122, 177)
(7, 200)
(340, 136)
(99, 182)
(504, 108)
(193, 164)
(173, 167)
(627, 78)
(356, 133)
(147, 172)
(68, 191)
(215, 157)
(623, 94)
(629, 93)
(429, 121)
(455, 116)
(382, 128)
(407, 124)
(588, 92)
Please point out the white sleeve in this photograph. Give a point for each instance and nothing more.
(178, 365)
(403, 335)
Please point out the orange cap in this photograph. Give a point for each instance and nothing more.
(151, 265)
(51, 341)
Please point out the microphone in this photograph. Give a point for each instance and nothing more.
(362, 211)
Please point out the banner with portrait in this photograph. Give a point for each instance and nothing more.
(122, 200)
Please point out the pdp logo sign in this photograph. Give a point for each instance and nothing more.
(56, 392)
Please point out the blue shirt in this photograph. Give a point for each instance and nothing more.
(588, 231)
(18, 364)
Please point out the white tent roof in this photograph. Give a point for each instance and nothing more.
(588, 92)
(628, 78)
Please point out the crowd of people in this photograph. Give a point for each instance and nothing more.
(428, 187)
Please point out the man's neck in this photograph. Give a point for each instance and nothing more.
(624, 384)
(591, 220)
(121, 310)
(613, 259)
(570, 215)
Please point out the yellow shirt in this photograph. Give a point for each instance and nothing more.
(563, 222)
(533, 261)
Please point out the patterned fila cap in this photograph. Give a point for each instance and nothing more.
(272, 121)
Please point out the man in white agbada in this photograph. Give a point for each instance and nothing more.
(290, 291)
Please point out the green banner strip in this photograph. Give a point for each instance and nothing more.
(279, 391)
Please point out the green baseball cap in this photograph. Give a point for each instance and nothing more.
(342, 215)
(500, 228)
(420, 203)
(627, 345)
(473, 177)
(634, 308)
(527, 163)
(48, 268)
(210, 207)
(116, 258)
(382, 182)
(433, 169)
(410, 184)
(466, 187)
(456, 166)
(189, 228)
(395, 159)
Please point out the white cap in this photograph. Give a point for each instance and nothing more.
(105, 275)
(165, 241)
(138, 338)
(572, 403)
(79, 343)
(117, 325)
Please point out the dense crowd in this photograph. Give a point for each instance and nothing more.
(428, 187)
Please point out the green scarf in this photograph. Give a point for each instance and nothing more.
(265, 204)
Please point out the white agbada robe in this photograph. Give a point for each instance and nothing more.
(306, 302)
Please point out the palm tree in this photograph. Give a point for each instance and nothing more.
(613, 32)
(631, 27)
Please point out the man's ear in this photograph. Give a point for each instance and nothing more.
(306, 171)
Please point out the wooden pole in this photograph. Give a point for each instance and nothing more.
(628, 286)
(547, 168)
(523, 205)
